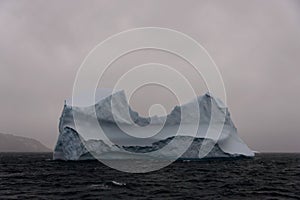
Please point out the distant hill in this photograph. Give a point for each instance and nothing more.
(12, 143)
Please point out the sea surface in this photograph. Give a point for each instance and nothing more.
(36, 176)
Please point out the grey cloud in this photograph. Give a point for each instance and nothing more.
(256, 45)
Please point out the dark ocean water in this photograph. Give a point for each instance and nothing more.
(36, 176)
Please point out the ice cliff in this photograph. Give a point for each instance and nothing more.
(82, 141)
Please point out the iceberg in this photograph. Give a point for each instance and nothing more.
(79, 138)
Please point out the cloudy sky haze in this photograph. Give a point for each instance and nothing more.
(256, 45)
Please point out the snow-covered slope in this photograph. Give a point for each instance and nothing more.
(83, 140)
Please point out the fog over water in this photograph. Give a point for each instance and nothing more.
(256, 45)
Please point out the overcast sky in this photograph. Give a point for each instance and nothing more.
(256, 45)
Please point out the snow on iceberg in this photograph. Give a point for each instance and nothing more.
(83, 141)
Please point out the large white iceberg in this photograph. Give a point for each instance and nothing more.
(79, 138)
